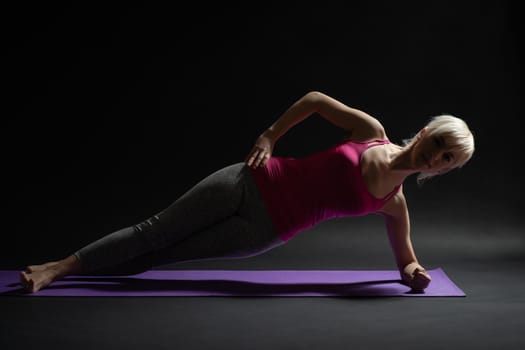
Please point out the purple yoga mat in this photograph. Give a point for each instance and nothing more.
(264, 283)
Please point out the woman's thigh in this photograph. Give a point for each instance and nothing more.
(235, 237)
(212, 200)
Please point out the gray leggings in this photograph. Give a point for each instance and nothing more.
(221, 217)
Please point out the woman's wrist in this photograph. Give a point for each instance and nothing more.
(270, 134)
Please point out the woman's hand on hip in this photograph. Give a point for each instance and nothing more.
(261, 151)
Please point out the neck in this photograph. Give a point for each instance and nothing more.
(401, 164)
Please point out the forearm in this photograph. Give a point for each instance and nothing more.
(406, 260)
(297, 112)
(398, 228)
(411, 271)
(399, 236)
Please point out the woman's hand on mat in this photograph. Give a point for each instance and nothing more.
(261, 151)
(416, 277)
(420, 280)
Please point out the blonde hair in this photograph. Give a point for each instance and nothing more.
(457, 135)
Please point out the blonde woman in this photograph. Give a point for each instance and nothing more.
(252, 206)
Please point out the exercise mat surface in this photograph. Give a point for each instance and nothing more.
(262, 283)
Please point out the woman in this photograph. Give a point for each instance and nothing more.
(250, 207)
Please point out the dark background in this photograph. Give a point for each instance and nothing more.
(112, 111)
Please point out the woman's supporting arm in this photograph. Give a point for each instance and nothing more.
(397, 223)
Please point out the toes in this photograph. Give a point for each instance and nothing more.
(23, 276)
(25, 281)
(31, 286)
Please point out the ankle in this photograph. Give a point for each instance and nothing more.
(68, 266)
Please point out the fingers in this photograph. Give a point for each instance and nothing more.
(257, 157)
(412, 268)
(420, 281)
(424, 276)
(250, 159)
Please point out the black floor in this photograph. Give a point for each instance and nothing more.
(487, 263)
(109, 108)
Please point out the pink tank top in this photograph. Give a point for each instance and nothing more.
(301, 192)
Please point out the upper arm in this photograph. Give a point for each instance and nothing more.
(361, 125)
(397, 223)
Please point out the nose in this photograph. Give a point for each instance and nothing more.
(432, 159)
(435, 157)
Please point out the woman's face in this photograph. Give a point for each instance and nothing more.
(431, 153)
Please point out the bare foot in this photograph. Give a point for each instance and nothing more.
(33, 282)
(36, 277)
(34, 268)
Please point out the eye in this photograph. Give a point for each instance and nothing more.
(448, 157)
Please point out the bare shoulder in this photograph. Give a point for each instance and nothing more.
(396, 206)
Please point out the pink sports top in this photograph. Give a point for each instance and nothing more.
(301, 192)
